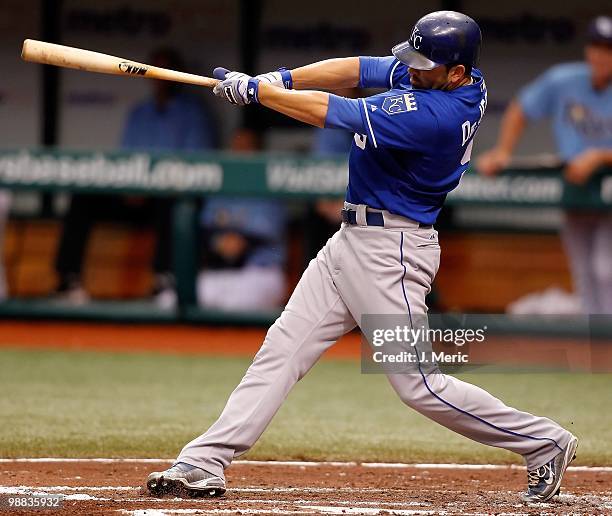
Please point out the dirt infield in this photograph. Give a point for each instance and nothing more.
(115, 487)
(567, 354)
(172, 339)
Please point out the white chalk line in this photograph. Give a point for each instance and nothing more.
(306, 509)
(59, 489)
(321, 509)
(300, 506)
(300, 464)
(95, 459)
(73, 488)
(41, 491)
(340, 507)
(331, 509)
(603, 497)
(169, 512)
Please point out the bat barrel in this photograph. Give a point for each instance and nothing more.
(86, 60)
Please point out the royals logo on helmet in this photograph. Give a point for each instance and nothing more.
(415, 39)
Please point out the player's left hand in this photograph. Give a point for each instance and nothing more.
(233, 86)
(582, 167)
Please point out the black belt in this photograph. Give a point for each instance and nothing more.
(373, 218)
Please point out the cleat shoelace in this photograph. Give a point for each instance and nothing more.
(534, 476)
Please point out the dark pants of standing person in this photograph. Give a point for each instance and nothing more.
(85, 210)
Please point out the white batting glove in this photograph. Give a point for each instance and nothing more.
(281, 78)
(233, 86)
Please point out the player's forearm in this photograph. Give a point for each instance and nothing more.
(512, 126)
(328, 75)
(306, 106)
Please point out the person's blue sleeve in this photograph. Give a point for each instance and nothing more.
(538, 98)
(377, 72)
(343, 113)
(403, 121)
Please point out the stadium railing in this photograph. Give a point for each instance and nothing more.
(193, 175)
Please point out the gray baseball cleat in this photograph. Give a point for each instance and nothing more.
(545, 482)
(184, 479)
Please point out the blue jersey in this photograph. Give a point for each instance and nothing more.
(411, 146)
(581, 116)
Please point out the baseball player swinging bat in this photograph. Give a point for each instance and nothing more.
(86, 60)
(412, 143)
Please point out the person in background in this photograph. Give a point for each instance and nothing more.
(577, 97)
(244, 247)
(244, 254)
(171, 120)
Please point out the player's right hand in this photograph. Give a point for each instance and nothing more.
(580, 169)
(490, 163)
(232, 86)
(281, 78)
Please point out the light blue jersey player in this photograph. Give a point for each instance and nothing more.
(577, 99)
(412, 143)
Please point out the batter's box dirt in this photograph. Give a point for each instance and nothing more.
(117, 488)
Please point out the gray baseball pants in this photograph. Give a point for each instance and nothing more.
(364, 270)
(587, 237)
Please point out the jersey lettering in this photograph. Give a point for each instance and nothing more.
(483, 103)
(468, 129)
(360, 140)
(467, 155)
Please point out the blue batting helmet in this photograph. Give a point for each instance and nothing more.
(439, 38)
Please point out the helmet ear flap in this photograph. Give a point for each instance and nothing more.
(476, 59)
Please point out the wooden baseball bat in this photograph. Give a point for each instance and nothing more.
(70, 57)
